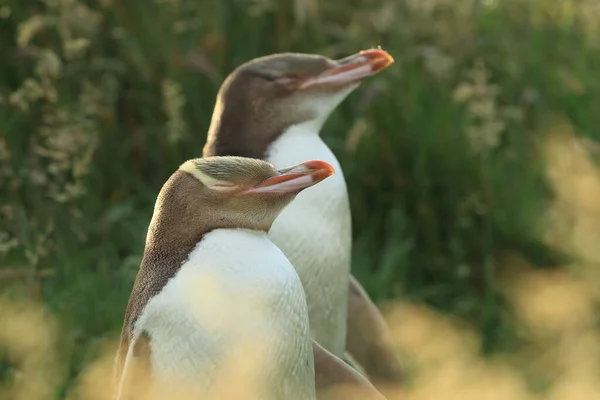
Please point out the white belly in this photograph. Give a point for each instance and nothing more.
(314, 232)
(233, 318)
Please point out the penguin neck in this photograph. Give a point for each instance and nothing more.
(239, 132)
(300, 142)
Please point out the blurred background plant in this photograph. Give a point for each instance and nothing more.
(470, 164)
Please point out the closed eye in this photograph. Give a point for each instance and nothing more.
(281, 79)
(286, 80)
(263, 75)
(222, 186)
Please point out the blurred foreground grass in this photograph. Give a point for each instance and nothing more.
(470, 163)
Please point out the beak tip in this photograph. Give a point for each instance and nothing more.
(320, 170)
(323, 170)
(380, 59)
(320, 165)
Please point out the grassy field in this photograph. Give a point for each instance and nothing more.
(470, 164)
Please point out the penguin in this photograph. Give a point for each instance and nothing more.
(273, 108)
(217, 311)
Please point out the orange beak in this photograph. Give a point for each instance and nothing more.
(352, 69)
(294, 179)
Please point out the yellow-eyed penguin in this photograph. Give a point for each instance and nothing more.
(273, 108)
(217, 311)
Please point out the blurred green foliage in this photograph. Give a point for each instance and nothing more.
(101, 100)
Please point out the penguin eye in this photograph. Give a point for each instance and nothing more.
(289, 82)
(212, 182)
(267, 77)
(285, 80)
(222, 186)
(264, 75)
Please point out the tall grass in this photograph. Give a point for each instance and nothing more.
(455, 159)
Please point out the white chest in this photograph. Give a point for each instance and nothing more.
(235, 312)
(314, 232)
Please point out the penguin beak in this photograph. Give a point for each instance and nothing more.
(352, 69)
(294, 179)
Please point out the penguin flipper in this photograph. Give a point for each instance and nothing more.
(135, 372)
(335, 379)
(369, 340)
